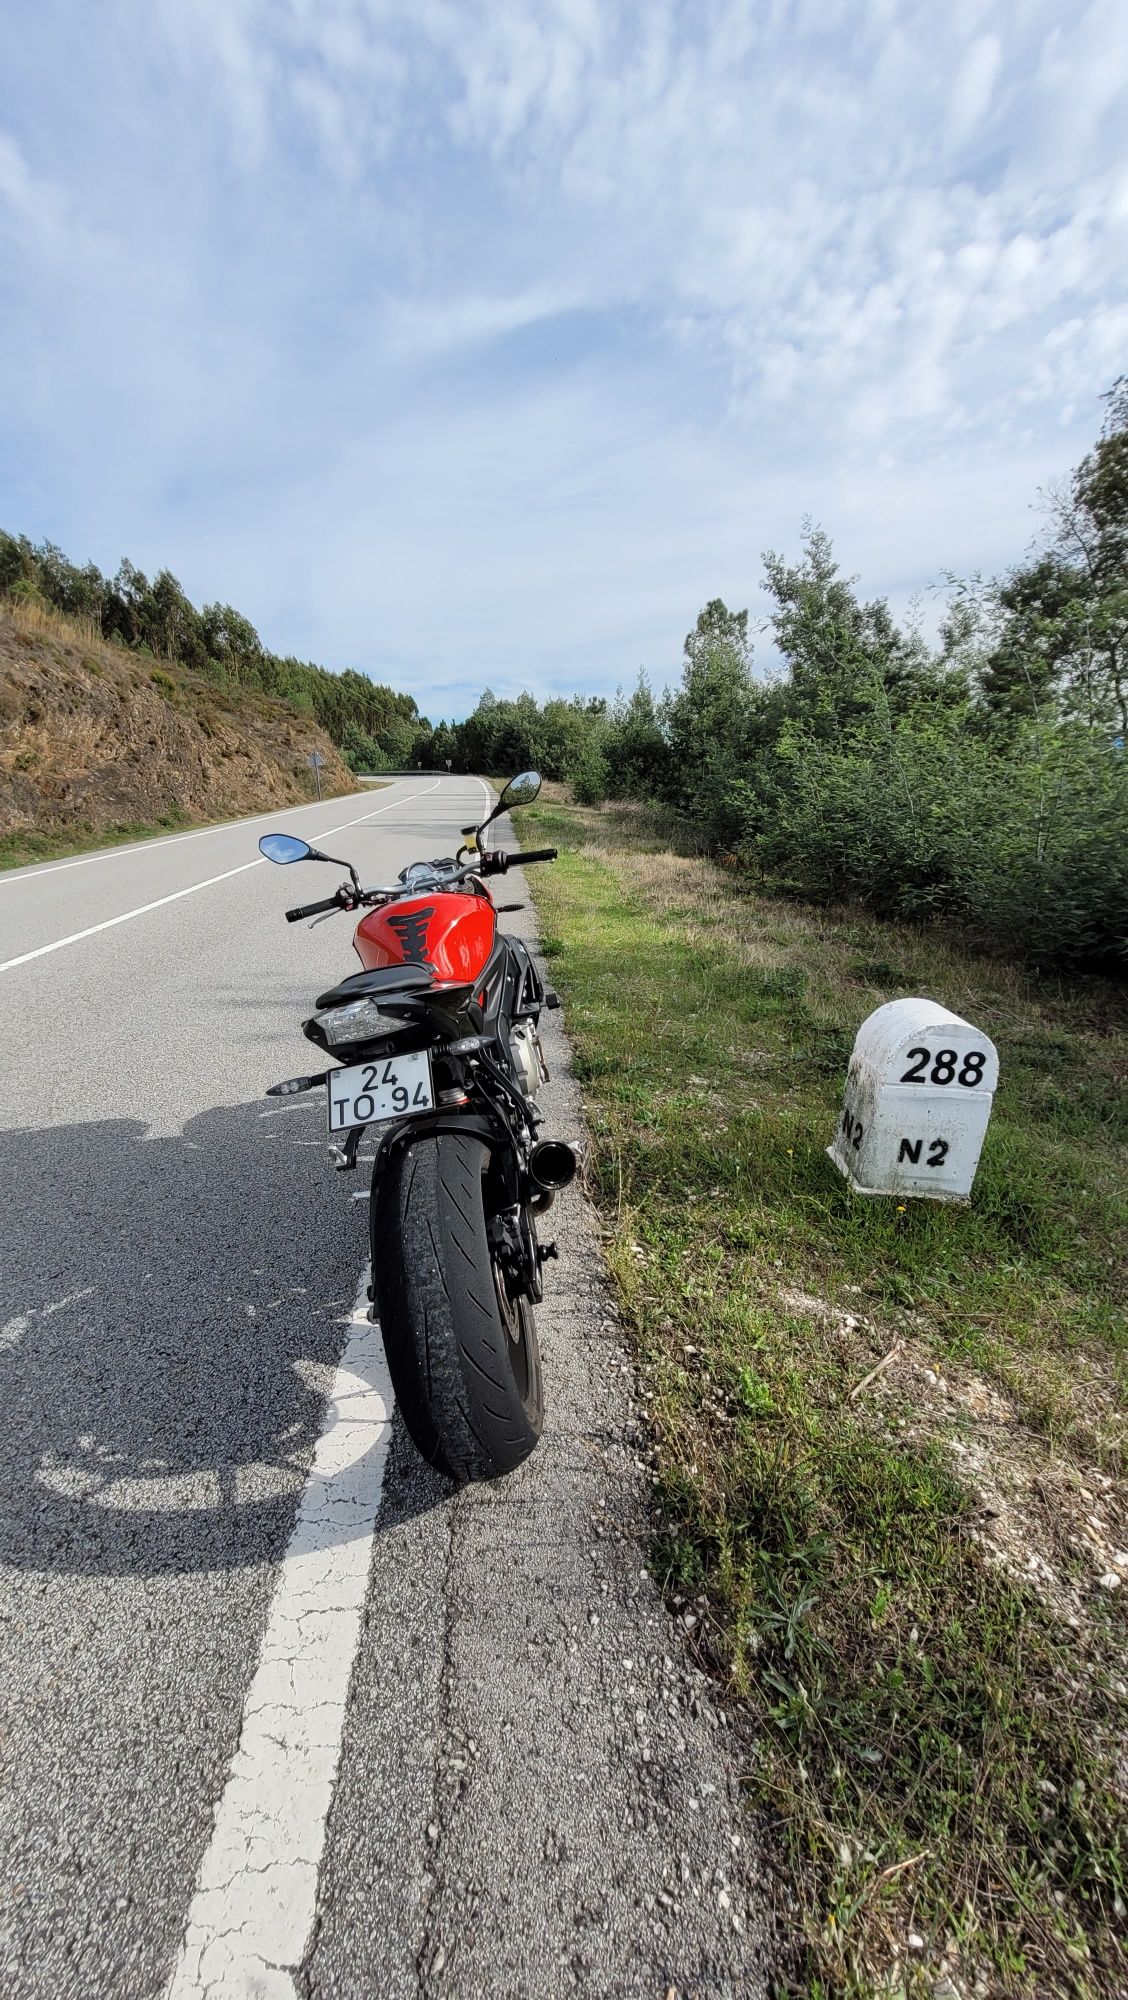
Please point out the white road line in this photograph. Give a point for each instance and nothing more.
(142, 909)
(256, 1893)
(10, 875)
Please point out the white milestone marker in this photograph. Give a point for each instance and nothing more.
(917, 1102)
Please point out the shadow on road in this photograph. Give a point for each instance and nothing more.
(171, 1311)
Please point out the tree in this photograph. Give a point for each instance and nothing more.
(635, 747)
(707, 719)
(590, 775)
(1062, 618)
(397, 742)
(231, 639)
(844, 658)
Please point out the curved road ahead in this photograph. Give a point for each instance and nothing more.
(282, 1712)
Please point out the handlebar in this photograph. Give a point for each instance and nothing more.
(495, 862)
(313, 909)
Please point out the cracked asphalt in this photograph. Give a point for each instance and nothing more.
(537, 1793)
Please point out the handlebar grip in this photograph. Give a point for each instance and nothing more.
(311, 910)
(496, 862)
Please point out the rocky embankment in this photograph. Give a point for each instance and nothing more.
(93, 737)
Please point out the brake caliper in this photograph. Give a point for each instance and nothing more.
(514, 1249)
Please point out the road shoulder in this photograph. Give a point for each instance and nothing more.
(538, 1792)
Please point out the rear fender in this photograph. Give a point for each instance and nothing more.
(436, 1014)
(496, 1137)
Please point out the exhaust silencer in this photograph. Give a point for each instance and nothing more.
(553, 1163)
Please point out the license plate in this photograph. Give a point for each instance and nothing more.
(393, 1087)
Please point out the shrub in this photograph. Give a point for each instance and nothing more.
(589, 776)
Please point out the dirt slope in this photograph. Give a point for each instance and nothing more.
(92, 736)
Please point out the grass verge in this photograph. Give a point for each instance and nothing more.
(18, 850)
(888, 1437)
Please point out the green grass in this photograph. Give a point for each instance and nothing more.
(18, 849)
(936, 1748)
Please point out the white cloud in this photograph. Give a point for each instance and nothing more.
(486, 338)
(974, 84)
(38, 220)
(415, 328)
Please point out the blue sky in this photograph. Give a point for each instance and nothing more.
(474, 343)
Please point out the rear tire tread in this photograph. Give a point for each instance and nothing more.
(448, 1348)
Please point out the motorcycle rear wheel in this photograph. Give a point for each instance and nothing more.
(463, 1355)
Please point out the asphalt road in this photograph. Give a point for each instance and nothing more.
(283, 1713)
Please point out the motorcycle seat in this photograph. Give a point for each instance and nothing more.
(385, 981)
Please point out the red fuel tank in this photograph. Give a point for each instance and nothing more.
(452, 933)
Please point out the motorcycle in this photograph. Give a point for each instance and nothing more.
(438, 1051)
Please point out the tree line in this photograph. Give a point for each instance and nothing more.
(374, 726)
(981, 779)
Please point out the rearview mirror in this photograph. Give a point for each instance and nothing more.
(520, 791)
(285, 847)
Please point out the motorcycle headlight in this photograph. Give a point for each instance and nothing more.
(360, 1021)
